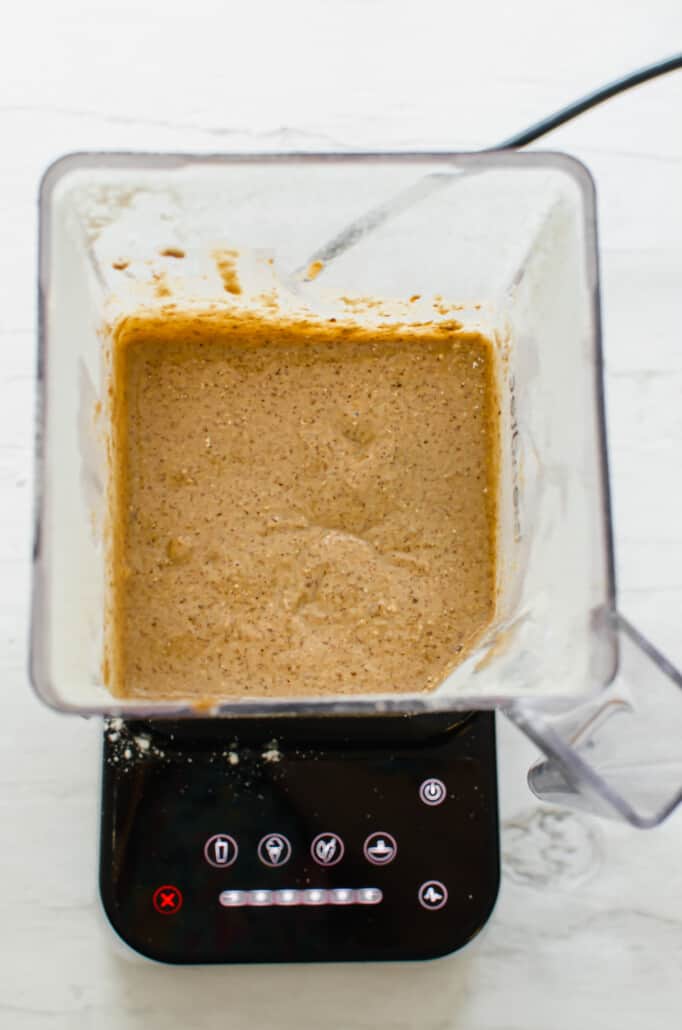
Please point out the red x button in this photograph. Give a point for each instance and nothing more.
(167, 900)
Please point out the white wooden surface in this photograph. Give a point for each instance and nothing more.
(588, 930)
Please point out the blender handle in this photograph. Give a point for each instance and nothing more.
(618, 755)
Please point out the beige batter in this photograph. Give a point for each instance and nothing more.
(299, 508)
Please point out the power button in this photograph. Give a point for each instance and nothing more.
(432, 792)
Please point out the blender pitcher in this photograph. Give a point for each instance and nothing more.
(510, 238)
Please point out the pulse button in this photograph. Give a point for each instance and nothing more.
(433, 895)
(432, 792)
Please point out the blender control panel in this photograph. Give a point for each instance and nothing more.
(288, 850)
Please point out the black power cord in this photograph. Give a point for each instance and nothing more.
(598, 96)
(382, 213)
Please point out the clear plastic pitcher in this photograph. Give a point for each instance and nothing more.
(511, 239)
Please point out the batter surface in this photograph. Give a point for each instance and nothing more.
(298, 508)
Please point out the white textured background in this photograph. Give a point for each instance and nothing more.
(588, 930)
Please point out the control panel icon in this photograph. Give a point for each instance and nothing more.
(233, 899)
(274, 850)
(327, 849)
(380, 848)
(315, 896)
(433, 791)
(221, 850)
(293, 896)
(167, 899)
(433, 895)
(369, 896)
(260, 898)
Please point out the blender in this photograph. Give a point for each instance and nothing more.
(356, 827)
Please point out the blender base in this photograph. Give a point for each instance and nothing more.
(281, 840)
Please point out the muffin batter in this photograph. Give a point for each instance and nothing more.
(299, 508)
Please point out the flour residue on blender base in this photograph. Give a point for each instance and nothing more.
(299, 507)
